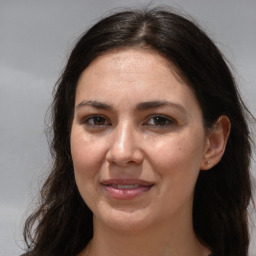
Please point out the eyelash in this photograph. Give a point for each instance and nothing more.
(155, 121)
(163, 121)
(95, 119)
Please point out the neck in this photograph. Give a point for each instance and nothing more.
(163, 239)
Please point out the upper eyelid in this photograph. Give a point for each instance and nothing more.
(109, 119)
(171, 119)
(86, 118)
(147, 117)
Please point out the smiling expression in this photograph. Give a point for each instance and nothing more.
(137, 140)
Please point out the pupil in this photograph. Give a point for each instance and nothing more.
(160, 120)
(99, 120)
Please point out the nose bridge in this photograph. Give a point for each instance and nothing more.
(124, 137)
(124, 147)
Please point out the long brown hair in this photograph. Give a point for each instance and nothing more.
(62, 224)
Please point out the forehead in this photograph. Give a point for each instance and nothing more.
(141, 74)
(125, 59)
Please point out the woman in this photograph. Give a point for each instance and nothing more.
(146, 161)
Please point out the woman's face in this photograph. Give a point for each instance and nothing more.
(137, 141)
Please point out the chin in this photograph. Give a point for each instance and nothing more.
(125, 220)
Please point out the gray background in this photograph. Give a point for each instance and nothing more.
(35, 39)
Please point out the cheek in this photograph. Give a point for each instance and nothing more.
(87, 161)
(87, 155)
(177, 166)
(178, 157)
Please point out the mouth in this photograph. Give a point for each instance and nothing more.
(132, 186)
(126, 189)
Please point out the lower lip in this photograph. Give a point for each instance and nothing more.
(125, 194)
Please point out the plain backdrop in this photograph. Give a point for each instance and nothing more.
(36, 37)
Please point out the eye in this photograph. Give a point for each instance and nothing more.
(160, 121)
(96, 121)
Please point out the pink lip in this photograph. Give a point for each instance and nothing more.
(124, 189)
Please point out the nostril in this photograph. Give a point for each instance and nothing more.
(125, 148)
(124, 157)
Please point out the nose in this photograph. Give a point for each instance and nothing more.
(125, 148)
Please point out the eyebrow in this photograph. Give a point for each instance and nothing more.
(140, 107)
(157, 104)
(95, 104)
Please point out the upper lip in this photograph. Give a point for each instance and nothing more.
(109, 182)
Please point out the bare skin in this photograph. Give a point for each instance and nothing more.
(138, 143)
